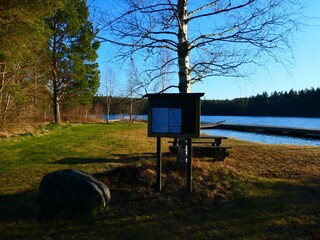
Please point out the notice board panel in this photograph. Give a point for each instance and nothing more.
(174, 115)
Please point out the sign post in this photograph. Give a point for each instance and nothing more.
(174, 115)
(159, 165)
(189, 166)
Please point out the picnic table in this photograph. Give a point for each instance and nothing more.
(205, 146)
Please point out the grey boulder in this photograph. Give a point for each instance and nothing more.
(72, 191)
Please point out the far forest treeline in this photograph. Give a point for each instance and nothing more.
(303, 103)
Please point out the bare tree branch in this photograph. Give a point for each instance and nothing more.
(228, 8)
(203, 7)
(215, 38)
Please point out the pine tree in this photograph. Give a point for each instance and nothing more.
(74, 72)
(23, 37)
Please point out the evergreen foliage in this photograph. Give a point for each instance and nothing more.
(28, 65)
(303, 103)
(74, 72)
(23, 36)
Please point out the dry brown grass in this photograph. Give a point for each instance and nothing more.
(275, 161)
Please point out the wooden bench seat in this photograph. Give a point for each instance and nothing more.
(213, 137)
(205, 146)
(215, 140)
(201, 142)
(215, 152)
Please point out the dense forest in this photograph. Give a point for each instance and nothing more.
(48, 69)
(303, 103)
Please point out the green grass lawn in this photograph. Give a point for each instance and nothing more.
(259, 192)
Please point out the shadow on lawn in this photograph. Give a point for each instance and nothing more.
(118, 158)
(278, 210)
(19, 206)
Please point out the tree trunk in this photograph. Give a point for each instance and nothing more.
(85, 115)
(2, 84)
(56, 105)
(108, 108)
(4, 98)
(108, 114)
(183, 48)
(184, 73)
(4, 112)
(35, 87)
(131, 109)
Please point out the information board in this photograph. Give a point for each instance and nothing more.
(174, 115)
(166, 120)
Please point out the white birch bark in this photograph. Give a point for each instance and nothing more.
(184, 69)
(183, 48)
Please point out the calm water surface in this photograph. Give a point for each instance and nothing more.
(264, 138)
(257, 137)
(273, 121)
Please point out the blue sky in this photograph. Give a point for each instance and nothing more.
(304, 72)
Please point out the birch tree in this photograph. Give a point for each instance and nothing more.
(207, 38)
(132, 81)
(110, 81)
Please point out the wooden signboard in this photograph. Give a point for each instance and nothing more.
(174, 115)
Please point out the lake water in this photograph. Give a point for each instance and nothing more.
(257, 137)
(264, 138)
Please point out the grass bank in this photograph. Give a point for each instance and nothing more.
(259, 192)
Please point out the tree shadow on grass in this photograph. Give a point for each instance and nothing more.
(118, 158)
(279, 210)
(19, 206)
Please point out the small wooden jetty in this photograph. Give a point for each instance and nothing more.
(266, 129)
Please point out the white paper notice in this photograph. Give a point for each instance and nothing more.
(160, 120)
(175, 120)
(166, 120)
